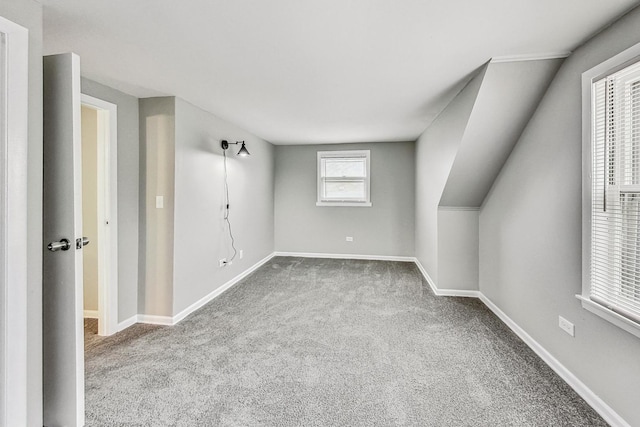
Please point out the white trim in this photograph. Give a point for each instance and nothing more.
(77, 228)
(126, 323)
(107, 213)
(218, 291)
(91, 314)
(155, 320)
(345, 204)
(458, 208)
(610, 315)
(13, 221)
(530, 57)
(346, 256)
(605, 411)
(445, 292)
(426, 276)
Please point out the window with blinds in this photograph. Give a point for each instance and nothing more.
(615, 192)
(344, 178)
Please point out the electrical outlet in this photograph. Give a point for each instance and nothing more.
(241, 253)
(349, 239)
(566, 326)
(159, 202)
(222, 262)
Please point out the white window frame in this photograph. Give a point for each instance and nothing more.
(618, 62)
(345, 154)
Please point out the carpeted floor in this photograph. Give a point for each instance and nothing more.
(320, 342)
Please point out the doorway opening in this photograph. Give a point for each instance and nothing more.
(99, 213)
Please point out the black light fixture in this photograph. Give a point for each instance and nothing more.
(243, 150)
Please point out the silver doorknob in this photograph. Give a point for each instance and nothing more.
(80, 242)
(62, 245)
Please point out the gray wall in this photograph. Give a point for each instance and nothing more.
(28, 13)
(508, 96)
(385, 229)
(530, 235)
(201, 237)
(157, 165)
(181, 160)
(435, 152)
(457, 249)
(128, 200)
(460, 155)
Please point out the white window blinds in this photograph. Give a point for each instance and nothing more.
(615, 216)
(343, 177)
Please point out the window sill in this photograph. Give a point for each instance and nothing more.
(346, 204)
(610, 315)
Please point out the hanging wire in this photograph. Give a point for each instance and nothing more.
(226, 214)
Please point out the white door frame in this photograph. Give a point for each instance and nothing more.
(13, 226)
(107, 213)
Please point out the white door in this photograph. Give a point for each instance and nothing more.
(63, 330)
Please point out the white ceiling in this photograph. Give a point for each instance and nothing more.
(303, 71)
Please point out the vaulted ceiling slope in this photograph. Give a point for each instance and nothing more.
(508, 96)
(295, 72)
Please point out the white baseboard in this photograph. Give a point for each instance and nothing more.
(445, 292)
(605, 411)
(458, 293)
(91, 314)
(126, 323)
(347, 256)
(145, 318)
(155, 320)
(204, 300)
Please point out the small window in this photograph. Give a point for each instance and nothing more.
(611, 287)
(344, 178)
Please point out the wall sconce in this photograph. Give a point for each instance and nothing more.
(243, 150)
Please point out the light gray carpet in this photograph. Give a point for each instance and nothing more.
(319, 342)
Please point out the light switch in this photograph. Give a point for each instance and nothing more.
(159, 202)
